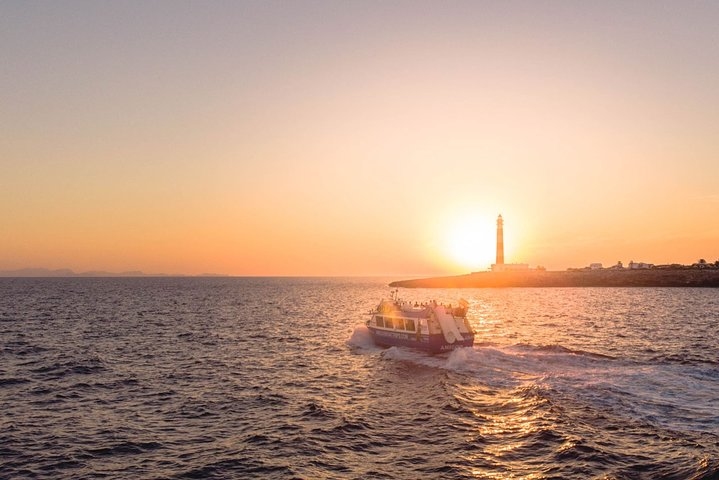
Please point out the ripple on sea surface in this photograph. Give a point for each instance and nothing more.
(272, 378)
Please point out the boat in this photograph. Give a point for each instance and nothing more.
(429, 326)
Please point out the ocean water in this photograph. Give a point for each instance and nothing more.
(278, 378)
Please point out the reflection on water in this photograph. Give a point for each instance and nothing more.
(277, 378)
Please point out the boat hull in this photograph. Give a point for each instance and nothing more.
(430, 343)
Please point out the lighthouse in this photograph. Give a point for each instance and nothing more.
(500, 266)
(500, 241)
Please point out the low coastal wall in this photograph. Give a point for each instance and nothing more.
(592, 278)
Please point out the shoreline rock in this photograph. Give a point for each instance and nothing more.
(604, 278)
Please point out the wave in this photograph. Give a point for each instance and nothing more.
(239, 467)
(124, 448)
(318, 410)
(520, 359)
(677, 396)
(362, 339)
(60, 369)
(7, 382)
(556, 349)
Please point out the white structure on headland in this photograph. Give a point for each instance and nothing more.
(510, 267)
(500, 266)
(595, 266)
(639, 265)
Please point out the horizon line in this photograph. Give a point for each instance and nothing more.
(42, 272)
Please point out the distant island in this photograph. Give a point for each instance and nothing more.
(635, 274)
(65, 272)
(696, 275)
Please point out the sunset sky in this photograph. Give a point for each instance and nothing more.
(356, 138)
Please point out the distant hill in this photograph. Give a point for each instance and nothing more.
(66, 272)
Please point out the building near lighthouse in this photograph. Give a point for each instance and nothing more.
(500, 266)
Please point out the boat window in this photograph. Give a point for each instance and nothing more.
(379, 321)
(409, 324)
(398, 324)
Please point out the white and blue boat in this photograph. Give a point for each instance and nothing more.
(430, 326)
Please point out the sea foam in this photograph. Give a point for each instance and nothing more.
(361, 338)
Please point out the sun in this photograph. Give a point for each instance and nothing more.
(470, 243)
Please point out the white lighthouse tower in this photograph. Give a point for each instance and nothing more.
(500, 266)
(500, 241)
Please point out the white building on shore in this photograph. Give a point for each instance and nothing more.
(510, 267)
(639, 265)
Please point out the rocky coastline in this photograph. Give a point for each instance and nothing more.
(708, 278)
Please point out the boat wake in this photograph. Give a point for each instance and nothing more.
(675, 396)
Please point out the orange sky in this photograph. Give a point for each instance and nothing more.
(323, 138)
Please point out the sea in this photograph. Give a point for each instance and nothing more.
(278, 378)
